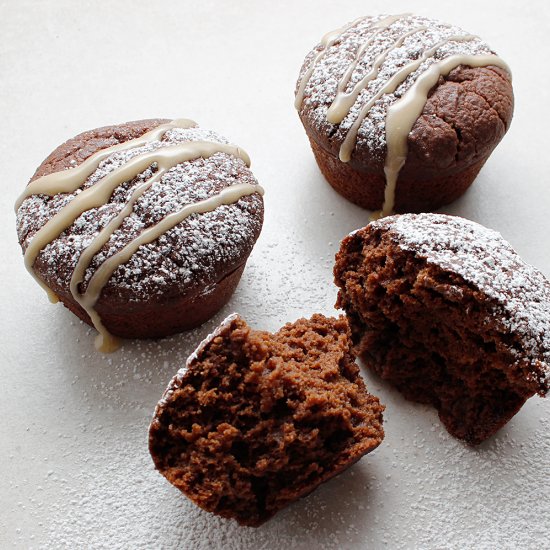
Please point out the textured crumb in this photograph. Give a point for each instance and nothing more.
(256, 420)
(447, 311)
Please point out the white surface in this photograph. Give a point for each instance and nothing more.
(74, 466)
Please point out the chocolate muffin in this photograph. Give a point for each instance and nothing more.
(256, 420)
(446, 311)
(402, 111)
(142, 229)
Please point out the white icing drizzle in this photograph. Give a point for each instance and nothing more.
(326, 42)
(70, 180)
(344, 101)
(97, 195)
(228, 195)
(390, 86)
(402, 114)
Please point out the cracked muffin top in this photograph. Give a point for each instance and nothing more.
(146, 214)
(353, 79)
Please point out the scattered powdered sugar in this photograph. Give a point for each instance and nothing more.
(108, 494)
(322, 86)
(189, 256)
(92, 483)
(484, 259)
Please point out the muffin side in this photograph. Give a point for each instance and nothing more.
(375, 68)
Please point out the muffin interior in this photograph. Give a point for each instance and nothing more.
(433, 336)
(259, 420)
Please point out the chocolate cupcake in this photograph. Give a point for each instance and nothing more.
(446, 311)
(403, 111)
(141, 229)
(256, 420)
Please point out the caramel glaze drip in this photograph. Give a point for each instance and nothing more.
(98, 194)
(402, 114)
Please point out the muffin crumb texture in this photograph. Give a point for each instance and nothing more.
(446, 311)
(256, 420)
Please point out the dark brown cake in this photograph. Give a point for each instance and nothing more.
(445, 310)
(256, 420)
(466, 112)
(181, 278)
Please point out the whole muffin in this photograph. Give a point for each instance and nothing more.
(141, 229)
(446, 311)
(255, 420)
(403, 111)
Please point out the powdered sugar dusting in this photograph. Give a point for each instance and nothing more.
(95, 485)
(481, 256)
(321, 89)
(188, 256)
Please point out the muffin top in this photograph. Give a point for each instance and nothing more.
(194, 254)
(351, 81)
(518, 293)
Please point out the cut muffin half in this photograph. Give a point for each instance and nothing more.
(446, 311)
(256, 420)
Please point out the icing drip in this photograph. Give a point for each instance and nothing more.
(344, 101)
(164, 158)
(326, 42)
(403, 114)
(70, 180)
(228, 195)
(390, 86)
(329, 40)
(403, 111)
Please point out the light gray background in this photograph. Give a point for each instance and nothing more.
(74, 467)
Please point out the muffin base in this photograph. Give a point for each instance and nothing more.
(160, 318)
(366, 189)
